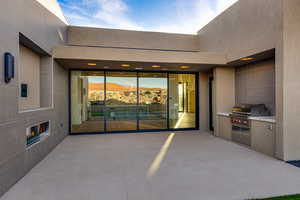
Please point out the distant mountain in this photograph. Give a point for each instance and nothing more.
(116, 87)
(109, 87)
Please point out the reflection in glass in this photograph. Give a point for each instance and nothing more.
(121, 101)
(182, 101)
(87, 101)
(153, 89)
(127, 101)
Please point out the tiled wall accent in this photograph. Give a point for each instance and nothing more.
(255, 83)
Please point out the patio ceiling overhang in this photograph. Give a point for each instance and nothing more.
(143, 59)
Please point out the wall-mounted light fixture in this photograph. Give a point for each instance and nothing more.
(184, 67)
(155, 66)
(9, 67)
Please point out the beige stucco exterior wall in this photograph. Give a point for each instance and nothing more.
(46, 30)
(250, 27)
(30, 75)
(224, 92)
(255, 83)
(204, 101)
(291, 81)
(84, 36)
(138, 55)
(54, 7)
(246, 28)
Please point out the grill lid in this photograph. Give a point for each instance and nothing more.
(252, 109)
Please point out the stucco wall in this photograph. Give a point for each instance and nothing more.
(247, 28)
(29, 74)
(204, 101)
(224, 92)
(137, 55)
(291, 80)
(84, 36)
(45, 29)
(54, 7)
(250, 27)
(255, 83)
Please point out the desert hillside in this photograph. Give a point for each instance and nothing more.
(109, 87)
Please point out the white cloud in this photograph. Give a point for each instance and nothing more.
(114, 13)
(188, 16)
(100, 13)
(192, 15)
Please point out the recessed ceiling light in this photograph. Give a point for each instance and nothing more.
(125, 65)
(92, 64)
(155, 66)
(247, 59)
(184, 67)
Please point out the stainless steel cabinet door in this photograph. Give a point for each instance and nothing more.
(263, 137)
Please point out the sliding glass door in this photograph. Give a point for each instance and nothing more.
(153, 97)
(182, 101)
(109, 101)
(121, 101)
(87, 101)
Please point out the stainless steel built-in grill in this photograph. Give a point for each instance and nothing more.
(241, 128)
(241, 124)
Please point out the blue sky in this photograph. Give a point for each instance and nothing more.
(132, 81)
(173, 16)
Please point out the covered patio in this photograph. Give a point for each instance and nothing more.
(187, 165)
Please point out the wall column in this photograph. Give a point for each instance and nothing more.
(204, 101)
(224, 92)
(291, 79)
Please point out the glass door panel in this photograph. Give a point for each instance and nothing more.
(182, 101)
(87, 101)
(127, 101)
(121, 101)
(153, 94)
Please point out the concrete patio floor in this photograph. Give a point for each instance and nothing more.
(114, 167)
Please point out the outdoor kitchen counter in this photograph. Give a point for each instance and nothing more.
(262, 132)
(270, 119)
(225, 114)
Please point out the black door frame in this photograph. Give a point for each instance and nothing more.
(137, 131)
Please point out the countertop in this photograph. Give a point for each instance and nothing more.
(226, 114)
(270, 119)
